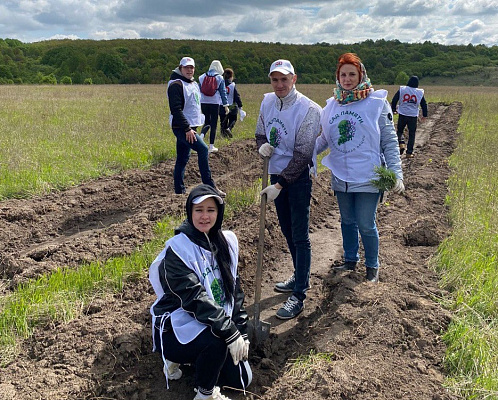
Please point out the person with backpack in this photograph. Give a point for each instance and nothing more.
(198, 316)
(227, 121)
(213, 94)
(185, 117)
(410, 97)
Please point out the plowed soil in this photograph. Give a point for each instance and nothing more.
(383, 340)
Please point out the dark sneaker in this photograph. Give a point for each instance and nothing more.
(286, 286)
(402, 148)
(291, 308)
(346, 266)
(373, 275)
(409, 155)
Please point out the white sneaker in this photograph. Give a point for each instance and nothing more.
(174, 371)
(215, 396)
(212, 149)
(201, 136)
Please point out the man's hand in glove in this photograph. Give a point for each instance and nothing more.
(271, 192)
(237, 350)
(266, 150)
(399, 187)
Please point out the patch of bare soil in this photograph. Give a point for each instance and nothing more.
(384, 339)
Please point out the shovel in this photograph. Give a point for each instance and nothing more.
(259, 330)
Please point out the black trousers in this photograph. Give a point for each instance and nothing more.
(228, 121)
(210, 356)
(210, 112)
(411, 122)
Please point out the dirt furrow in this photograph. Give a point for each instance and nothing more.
(384, 339)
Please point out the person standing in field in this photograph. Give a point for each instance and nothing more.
(185, 118)
(198, 317)
(213, 95)
(286, 130)
(410, 97)
(227, 121)
(357, 127)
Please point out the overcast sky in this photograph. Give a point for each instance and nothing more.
(306, 22)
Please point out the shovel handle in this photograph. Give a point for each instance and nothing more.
(261, 242)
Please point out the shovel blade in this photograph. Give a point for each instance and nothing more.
(258, 331)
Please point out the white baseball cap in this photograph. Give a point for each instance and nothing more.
(200, 199)
(187, 61)
(283, 66)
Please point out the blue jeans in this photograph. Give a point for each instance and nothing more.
(293, 211)
(183, 148)
(358, 211)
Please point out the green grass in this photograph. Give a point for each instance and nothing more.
(64, 294)
(467, 260)
(303, 368)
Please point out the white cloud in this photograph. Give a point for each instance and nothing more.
(332, 21)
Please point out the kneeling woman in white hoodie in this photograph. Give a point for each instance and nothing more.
(198, 317)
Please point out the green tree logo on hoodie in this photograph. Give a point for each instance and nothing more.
(217, 291)
(275, 137)
(346, 131)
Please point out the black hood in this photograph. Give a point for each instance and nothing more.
(176, 74)
(413, 82)
(187, 226)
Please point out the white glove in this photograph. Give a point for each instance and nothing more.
(399, 186)
(271, 192)
(246, 350)
(237, 350)
(227, 109)
(266, 150)
(242, 114)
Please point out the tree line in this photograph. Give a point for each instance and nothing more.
(150, 61)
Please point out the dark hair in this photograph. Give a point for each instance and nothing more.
(218, 243)
(222, 254)
(228, 73)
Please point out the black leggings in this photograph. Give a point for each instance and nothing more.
(213, 362)
(210, 112)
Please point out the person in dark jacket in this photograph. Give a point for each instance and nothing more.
(185, 118)
(410, 97)
(227, 121)
(198, 317)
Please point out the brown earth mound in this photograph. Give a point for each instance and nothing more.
(383, 340)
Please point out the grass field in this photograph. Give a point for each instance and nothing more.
(52, 137)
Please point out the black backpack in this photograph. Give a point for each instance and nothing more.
(209, 85)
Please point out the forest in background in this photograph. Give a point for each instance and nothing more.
(150, 61)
